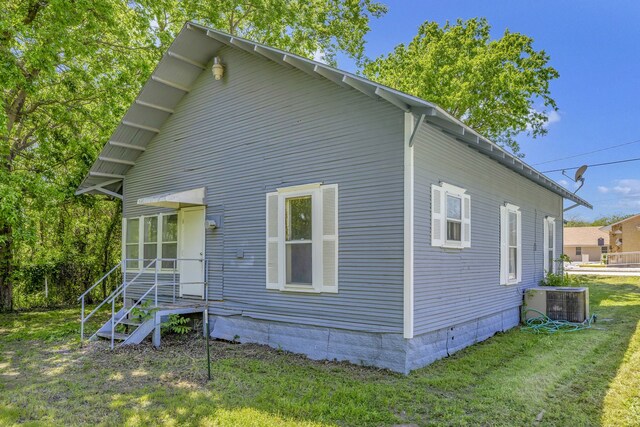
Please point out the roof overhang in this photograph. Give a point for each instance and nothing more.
(182, 199)
(191, 53)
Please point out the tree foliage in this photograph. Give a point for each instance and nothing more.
(598, 222)
(491, 85)
(69, 70)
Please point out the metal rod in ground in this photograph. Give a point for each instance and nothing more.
(206, 317)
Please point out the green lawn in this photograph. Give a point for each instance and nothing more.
(575, 379)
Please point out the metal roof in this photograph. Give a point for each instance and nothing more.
(190, 53)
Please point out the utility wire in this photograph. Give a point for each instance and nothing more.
(595, 165)
(587, 153)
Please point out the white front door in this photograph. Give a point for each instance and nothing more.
(191, 264)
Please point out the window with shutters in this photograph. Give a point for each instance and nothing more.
(549, 229)
(302, 239)
(510, 244)
(450, 216)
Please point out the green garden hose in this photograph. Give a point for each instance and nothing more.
(544, 324)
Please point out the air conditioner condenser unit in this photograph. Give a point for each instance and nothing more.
(558, 303)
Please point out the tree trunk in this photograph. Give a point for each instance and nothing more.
(6, 268)
(106, 245)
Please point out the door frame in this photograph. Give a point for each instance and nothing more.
(181, 244)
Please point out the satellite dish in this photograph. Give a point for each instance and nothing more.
(581, 170)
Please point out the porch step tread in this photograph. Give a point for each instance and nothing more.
(118, 335)
(132, 322)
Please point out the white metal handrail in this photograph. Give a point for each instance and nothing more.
(99, 281)
(84, 319)
(122, 288)
(115, 323)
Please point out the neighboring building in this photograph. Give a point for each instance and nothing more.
(312, 210)
(585, 244)
(624, 236)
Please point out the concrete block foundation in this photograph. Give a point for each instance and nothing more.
(383, 350)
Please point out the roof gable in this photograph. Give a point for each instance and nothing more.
(584, 236)
(190, 54)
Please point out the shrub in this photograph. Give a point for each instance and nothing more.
(553, 279)
(177, 324)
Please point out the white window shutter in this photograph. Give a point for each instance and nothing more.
(519, 271)
(504, 249)
(437, 216)
(545, 245)
(466, 221)
(329, 238)
(272, 250)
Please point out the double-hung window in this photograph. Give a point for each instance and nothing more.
(132, 243)
(148, 238)
(169, 247)
(302, 239)
(549, 229)
(298, 240)
(450, 216)
(510, 244)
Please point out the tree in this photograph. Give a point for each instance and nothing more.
(70, 69)
(491, 85)
(305, 27)
(598, 222)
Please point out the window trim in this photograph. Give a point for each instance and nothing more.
(312, 190)
(141, 243)
(318, 193)
(505, 210)
(549, 221)
(465, 223)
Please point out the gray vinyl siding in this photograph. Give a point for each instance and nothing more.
(265, 126)
(452, 286)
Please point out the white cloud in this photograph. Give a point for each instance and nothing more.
(628, 187)
(318, 56)
(626, 192)
(564, 183)
(553, 116)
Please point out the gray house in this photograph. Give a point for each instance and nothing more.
(310, 209)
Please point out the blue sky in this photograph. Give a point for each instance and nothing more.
(595, 46)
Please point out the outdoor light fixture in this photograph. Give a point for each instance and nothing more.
(217, 69)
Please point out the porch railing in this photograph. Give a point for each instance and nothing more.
(622, 259)
(156, 268)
